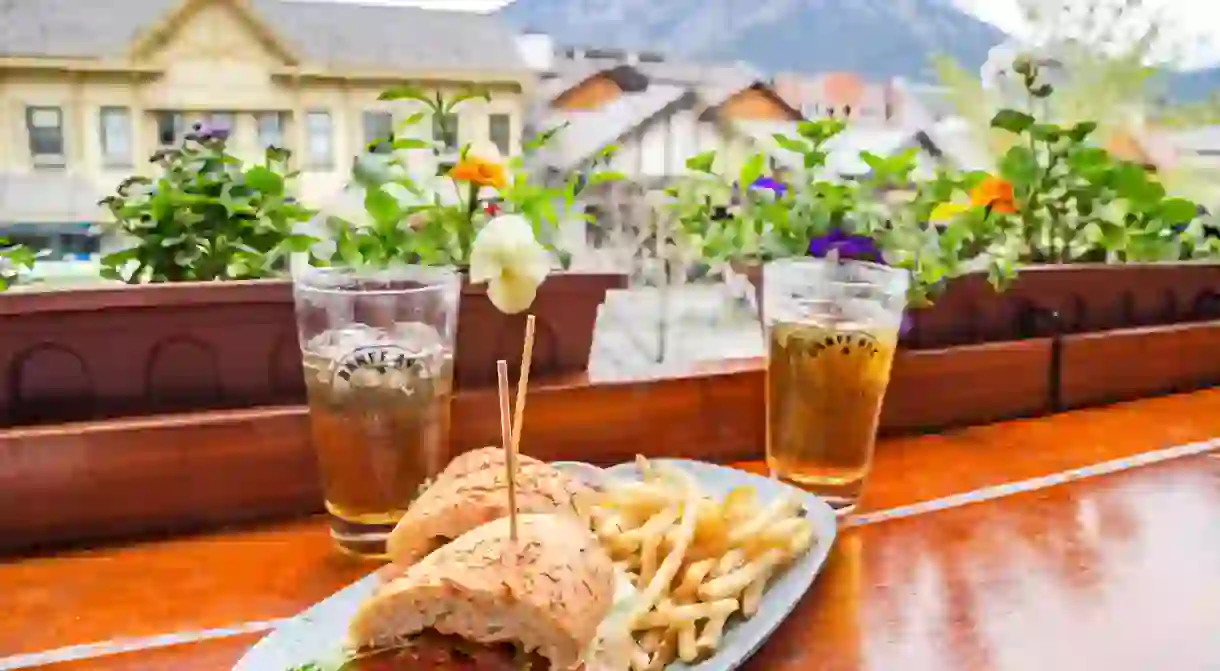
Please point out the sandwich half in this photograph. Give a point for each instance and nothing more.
(484, 602)
(470, 492)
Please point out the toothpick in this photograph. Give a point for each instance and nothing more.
(527, 354)
(506, 437)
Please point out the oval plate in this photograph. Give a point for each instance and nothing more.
(316, 634)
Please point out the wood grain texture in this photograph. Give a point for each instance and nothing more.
(936, 389)
(86, 481)
(1061, 579)
(1117, 573)
(223, 578)
(82, 482)
(1132, 363)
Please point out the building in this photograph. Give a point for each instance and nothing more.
(839, 95)
(90, 88)
(657, 112)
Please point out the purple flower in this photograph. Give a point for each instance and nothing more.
(848, 246)
(769, 184)
(204, 133)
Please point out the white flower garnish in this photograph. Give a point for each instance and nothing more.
(511, 261)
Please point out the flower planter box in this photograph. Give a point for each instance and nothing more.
(163, 348)
(1083, 298)
(1123, 364)
(975, 384)
(114, 352)
(565, 313)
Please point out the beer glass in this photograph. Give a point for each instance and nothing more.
(831, 328)
(377, 347)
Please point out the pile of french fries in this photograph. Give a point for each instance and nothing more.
(695, 561)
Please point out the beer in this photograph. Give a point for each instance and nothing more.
(379, 412)
(825, 386)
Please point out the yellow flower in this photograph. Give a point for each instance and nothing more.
(479, 172)
(511, 261)
(946, 212)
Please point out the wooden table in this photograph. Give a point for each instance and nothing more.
(1089, 540)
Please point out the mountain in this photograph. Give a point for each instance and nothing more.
(876, 38)
(1193, 85)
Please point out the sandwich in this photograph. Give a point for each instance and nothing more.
(484, 602)
(470, 491)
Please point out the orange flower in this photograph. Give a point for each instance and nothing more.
(994, 193)
(479, 172)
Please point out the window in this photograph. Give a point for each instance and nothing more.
(171, 127)
(222, 124)
(46, 130)
(501, 130)
(319, 150)
(270, 129)
(378, 131)
(115, 128)
(445, 130)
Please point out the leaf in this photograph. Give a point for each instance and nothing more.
(790, 144)
(814, 159)
(1012, 121)
(604, 176)
(264, 180)
(472, 94)
(1019, 166)
(300, 243)
(701, 162)
(382, 206)
(1047, 132)
(751, 170)
(1082, 130)
(412, 143)
(1177, 211)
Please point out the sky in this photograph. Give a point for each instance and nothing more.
(1192, 26)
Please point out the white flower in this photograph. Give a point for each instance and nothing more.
(511, 261)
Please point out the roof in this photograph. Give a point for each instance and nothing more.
(566, 74)
(48, 196)
(590, 131)
(337, 35)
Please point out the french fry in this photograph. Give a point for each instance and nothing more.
(709, 639)
(695, 561)
(687, 650)
(752, 594)
(739, 579)
(673, 615)
(694, 576)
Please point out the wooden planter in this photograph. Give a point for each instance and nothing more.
(934, 389)
(1124, 364)
(114, 352)
(1068, 299)
(565, 314)
(149, 349)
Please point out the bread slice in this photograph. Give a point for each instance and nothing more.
(472, 491)
(547, 592)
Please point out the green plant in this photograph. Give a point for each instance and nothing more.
(14, 260)
(206, 216)
(884, 213)
(1075, 201)
(432, 218)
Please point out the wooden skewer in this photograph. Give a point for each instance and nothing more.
(519, 421)
(506, 437)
